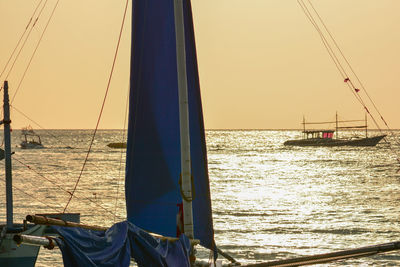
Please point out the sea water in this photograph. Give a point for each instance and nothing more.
(269, 201)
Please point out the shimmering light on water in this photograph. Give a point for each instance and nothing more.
(269, 201)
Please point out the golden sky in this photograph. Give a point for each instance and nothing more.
(262, 65)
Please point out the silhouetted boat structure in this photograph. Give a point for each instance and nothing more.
(117, 145)
(326, 137)
(30, 139)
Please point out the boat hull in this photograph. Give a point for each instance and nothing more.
(24, 255)
(368, 141)
(31, 145)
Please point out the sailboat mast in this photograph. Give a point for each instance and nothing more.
(7, 149)
(366, 125)
(183, 119)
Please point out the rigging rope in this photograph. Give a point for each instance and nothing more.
(61, 188)
(20, 39)
(26, 39)
(102, 106)
(329, 48)
(349, 65)
(37, 124)
(121, 155)
(342, 70)
(33, 197)
(35, 50)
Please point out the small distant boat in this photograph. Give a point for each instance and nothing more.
(326, 137)
(30, 139)
(117, 145)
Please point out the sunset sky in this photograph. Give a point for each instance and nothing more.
(262, 64)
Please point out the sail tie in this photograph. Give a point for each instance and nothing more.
(187, 198)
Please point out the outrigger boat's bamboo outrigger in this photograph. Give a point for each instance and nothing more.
(50, 243)
(331, 137)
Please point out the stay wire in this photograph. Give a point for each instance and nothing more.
(37, 124)
(61, 188)
(331, 52)
(349, 65)
(102, 106)
(35, 50)
(37, 199)
(342, 71)
(123, 139)
(20, 39)
(328, 47)
(121, 155)
(323, 38)
(350, 84)
(26, 39)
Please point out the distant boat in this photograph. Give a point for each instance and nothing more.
(30, 139)
(117, 145)
(329, 138)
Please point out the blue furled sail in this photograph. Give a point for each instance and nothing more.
(153, 162)
(116, 246)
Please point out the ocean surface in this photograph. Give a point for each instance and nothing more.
(269, 201)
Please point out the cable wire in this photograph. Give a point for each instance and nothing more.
(20, 39)
(103, 104)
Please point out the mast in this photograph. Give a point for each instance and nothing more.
(183, 119)
(7, 149)
(304, 127)
(366, 126)
(337, 127)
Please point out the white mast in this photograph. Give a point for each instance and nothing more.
(183, 119)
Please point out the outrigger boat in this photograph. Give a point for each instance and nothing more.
(331, 138)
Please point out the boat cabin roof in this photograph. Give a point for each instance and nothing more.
(318, 131)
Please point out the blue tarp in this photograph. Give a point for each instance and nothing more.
(116, 246)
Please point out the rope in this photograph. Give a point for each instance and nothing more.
(20, 39)
(350, 67)
(37, 124)
(342, 70)
(37, 199)
(61, 188)
(102, 106)
(121, 155)
(187, 198)
(329, 49)
(26, 39)
(36, 48)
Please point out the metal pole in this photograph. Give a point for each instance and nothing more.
(47, 242)
(183, 119)
(7, 150)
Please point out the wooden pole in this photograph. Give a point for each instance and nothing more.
(333, 256)
(7, 151)
(42, 220)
